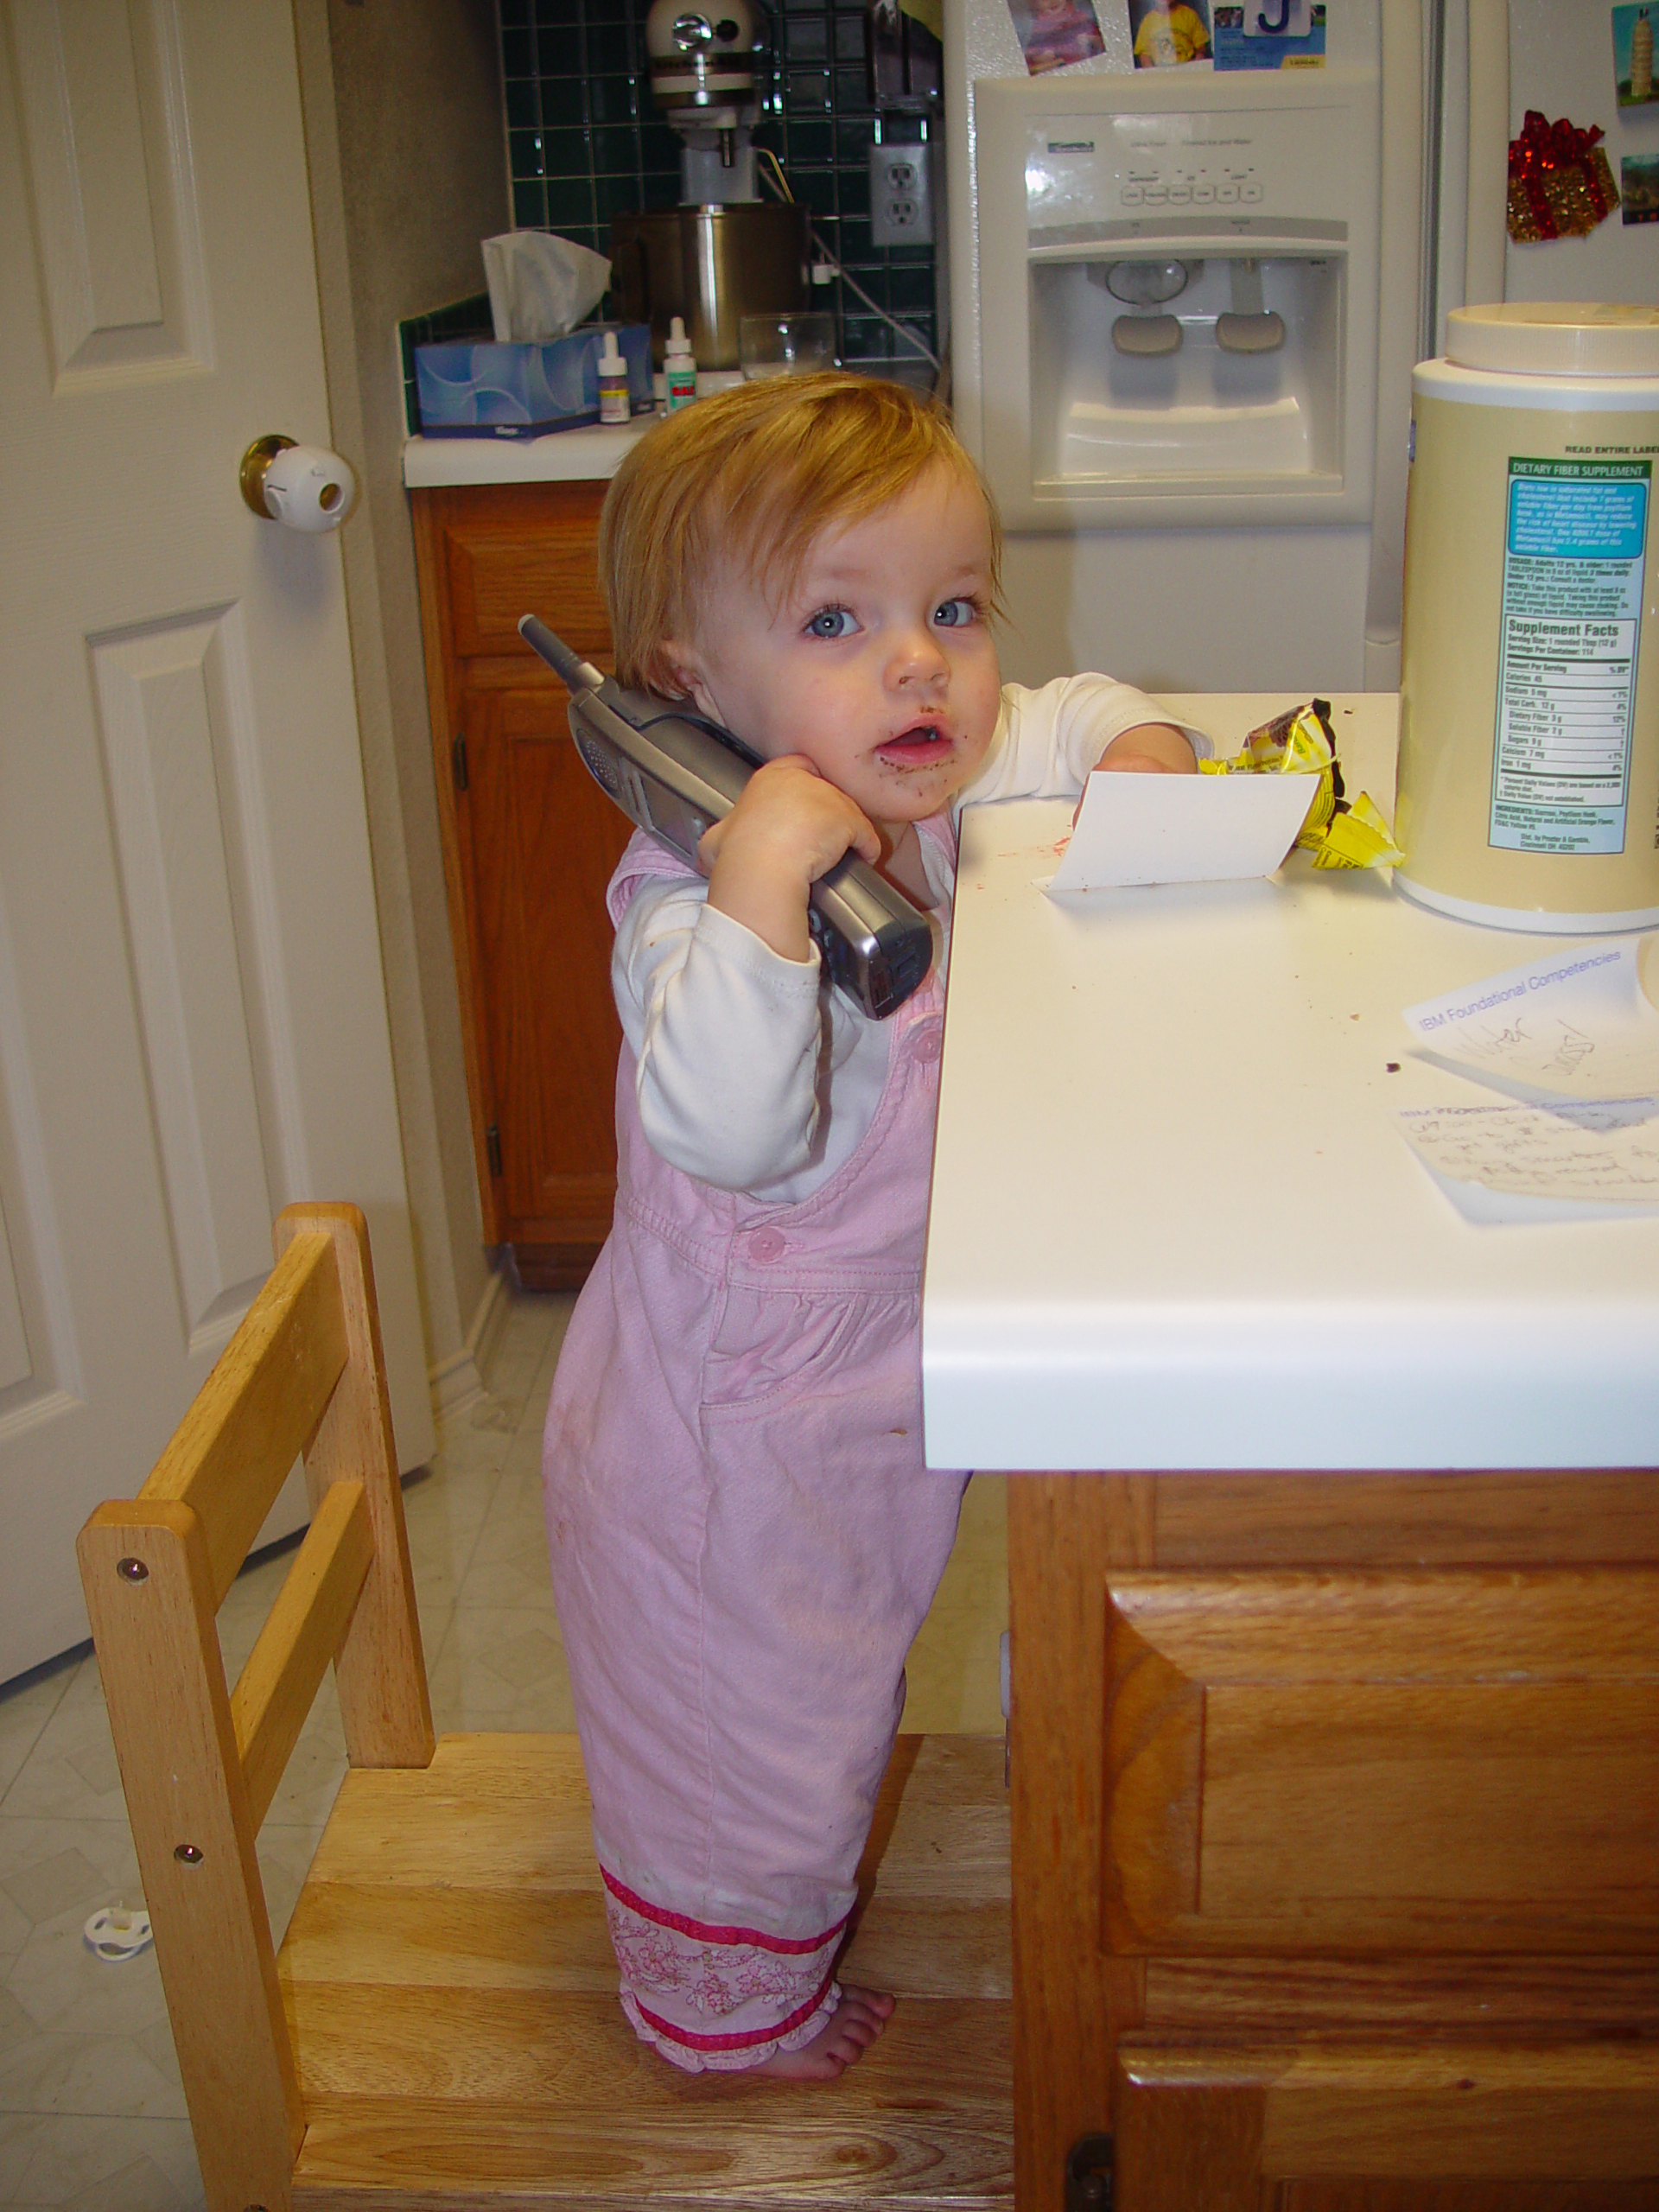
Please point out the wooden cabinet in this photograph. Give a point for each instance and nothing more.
(1336, 1840)
(530, 842)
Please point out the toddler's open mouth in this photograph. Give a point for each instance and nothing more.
(917, 748)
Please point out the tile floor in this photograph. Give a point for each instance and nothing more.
(91, 2114)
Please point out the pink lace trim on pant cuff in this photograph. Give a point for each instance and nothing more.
(694, 2061)
(720, 1997)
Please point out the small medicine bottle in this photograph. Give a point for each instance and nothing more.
(614, 403)
(679, 369)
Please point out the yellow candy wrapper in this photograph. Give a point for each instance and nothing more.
(1358, 837)
(1301, 743)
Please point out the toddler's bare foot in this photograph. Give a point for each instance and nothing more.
(858, 2020)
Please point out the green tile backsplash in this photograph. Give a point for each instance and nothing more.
(584, 144)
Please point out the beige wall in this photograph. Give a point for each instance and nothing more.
(403, 130)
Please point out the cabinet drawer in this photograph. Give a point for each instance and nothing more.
(1384, 1761)
(1465, 2127)
(531, 553)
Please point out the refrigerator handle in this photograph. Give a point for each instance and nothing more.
(1398, 323)
(1487, 200)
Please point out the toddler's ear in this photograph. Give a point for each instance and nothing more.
(676, 673)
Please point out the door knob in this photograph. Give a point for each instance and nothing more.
(307, 487)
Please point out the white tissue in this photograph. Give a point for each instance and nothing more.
(541, 286)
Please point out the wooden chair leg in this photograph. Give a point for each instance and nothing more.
(150, 1594)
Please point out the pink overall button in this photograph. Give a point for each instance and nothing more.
(768, 1245)
(928, 1041)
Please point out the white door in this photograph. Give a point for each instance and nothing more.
(193, 1026)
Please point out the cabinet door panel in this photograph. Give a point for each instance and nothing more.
(1424, 2128)
(543, 842)
(524, 549)
(1363, 1761)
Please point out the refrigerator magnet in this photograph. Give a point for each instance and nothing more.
(1634, 83)
(1053, 33)
(1638, 179)
(1270, 34)
(1168, 33)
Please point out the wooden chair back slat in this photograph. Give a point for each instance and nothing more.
(256, 1412)
(302, 1634)
(145, 1566)
(380, 1669)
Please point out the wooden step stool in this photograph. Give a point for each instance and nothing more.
(441, 2025)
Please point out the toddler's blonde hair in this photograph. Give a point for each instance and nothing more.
(749, 479)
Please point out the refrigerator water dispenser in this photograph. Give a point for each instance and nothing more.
(1178, 295)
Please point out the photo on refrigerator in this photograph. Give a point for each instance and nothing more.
(1052, 34)
(1633, 78)
(1168, 33)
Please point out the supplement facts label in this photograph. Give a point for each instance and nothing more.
(1572, 565)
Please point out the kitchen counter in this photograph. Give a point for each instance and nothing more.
(1173, 1224)
(1333, 1554)
(591, 454)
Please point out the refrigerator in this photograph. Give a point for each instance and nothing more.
(1220, 516)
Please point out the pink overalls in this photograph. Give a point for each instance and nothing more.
(745, 1542)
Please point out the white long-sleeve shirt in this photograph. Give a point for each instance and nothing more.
(752, 1072)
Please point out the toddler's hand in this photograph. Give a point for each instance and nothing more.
(1150, 749)
(788, 826)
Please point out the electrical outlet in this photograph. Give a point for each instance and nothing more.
(901, 196)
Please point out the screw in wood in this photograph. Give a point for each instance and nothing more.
(132, 1570)
(188, 1854)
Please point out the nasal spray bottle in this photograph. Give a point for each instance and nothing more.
(679, 369)
(614, 403)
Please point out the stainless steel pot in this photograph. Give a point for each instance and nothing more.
(709, 265)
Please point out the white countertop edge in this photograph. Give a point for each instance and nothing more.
(1185, 1398)
(994, 1429)
(591, 454)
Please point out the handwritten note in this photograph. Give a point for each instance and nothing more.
(1576, 1025)
(1497, 1162)
(1181, 830)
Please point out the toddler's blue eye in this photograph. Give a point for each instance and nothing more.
(955, 613)
(830, 622)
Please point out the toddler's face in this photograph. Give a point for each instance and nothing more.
(879, 666)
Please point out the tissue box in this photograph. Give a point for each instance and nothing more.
(520, 391)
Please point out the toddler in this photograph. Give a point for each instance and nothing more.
(745, 1534)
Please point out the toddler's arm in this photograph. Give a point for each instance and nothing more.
(719, 991)
(727, 1039)
(1051, 739)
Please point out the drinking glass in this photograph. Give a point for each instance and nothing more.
(785, 345)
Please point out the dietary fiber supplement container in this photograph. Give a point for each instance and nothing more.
(1528, 786)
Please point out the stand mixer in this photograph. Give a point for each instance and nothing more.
(723, 253)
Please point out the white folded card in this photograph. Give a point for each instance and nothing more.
(1138, 829)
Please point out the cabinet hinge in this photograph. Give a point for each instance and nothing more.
(458, 762)
(492, 1144)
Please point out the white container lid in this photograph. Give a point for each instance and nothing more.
(1555, 338)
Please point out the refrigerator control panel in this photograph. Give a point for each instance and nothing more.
(1118, 164)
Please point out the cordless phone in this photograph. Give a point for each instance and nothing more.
(675, 773)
